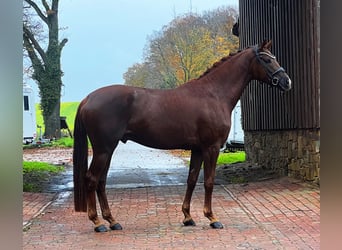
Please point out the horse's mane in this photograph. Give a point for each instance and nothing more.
(218, 63)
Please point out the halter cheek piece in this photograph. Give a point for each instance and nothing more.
(270, 74)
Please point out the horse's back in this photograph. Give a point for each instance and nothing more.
(109, 94)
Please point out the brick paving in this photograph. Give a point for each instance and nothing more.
(34, 204)
(275, 214)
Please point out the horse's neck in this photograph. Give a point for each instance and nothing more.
(230, 79)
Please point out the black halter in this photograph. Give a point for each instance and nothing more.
(271, 75)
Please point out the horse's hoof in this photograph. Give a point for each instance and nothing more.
(100, 229)
(216, 225)
(189, 223)
(116, 226)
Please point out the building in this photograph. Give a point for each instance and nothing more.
(282, 130)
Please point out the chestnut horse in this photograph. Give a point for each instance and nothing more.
(194, 116)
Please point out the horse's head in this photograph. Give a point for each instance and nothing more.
(268, 69)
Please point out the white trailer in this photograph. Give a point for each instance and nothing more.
(236, 135)
(29, 115)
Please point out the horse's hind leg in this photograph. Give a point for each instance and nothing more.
(195, 167)
(96, 174)
(101, 194)
(106, 214)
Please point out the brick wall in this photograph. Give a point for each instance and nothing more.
(294, 153)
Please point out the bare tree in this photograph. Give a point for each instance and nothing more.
(44, 52)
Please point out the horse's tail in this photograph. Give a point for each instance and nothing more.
(80, 160)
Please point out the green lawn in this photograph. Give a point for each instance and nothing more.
(32, 166)
(231, 157)
(34, 173)
(68, 109)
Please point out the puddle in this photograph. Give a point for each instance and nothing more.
(62, 197)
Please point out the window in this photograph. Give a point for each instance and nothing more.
(26, 103)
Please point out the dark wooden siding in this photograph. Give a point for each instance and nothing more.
(293, 26)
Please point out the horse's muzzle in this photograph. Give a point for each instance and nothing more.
(284, 83)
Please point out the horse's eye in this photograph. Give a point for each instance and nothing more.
(266, 60)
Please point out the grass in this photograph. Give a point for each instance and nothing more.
(35, 172)
(68, 109)
(66, 142)
(30, 166)
(231, 157)
(223, 158)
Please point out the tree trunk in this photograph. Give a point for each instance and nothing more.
(47, 65)
(52, 123)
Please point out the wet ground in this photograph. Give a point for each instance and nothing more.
(134, 165)
(145, 192)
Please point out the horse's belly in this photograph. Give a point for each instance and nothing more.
(165, 140)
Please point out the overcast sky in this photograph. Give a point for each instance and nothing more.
(107, 37)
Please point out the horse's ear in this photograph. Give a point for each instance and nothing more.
(266, 44)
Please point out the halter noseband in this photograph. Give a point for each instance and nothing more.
(270, 74)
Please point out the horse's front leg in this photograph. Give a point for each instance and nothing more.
(195, 167)
(210, 159)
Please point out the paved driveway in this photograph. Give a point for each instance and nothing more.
(274, 214)
(134, 165)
